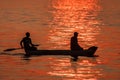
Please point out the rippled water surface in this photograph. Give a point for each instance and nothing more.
(52, 24)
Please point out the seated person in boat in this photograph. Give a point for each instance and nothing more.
(26, 43)
(74, 43)
(76, 47)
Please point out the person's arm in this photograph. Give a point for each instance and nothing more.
(31, 42)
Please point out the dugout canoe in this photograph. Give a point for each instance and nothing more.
(89, 52)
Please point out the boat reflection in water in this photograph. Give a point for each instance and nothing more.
(70, 16)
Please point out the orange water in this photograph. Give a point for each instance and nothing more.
(51, 24)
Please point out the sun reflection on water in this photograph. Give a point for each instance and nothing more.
(75, 15)
(83, 69)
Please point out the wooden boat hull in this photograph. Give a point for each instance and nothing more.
(90, 52)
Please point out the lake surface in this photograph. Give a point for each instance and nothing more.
(52, 24)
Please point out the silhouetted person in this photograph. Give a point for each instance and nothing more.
(74, 42)
(76, 47)
(26, 43)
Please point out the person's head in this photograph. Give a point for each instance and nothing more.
(27, 34)
(75, 34)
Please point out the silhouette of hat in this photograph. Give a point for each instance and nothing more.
(75, 33)
(27, 33)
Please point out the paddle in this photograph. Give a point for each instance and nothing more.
(11, 49)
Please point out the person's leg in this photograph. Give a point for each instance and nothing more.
(27, 52)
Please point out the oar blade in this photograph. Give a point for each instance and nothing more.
(11, 49)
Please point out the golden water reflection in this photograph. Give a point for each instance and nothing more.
(82, 69)
(74, 15)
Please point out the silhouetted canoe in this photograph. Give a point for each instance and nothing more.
(90, 52)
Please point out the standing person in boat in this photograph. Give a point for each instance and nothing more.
(27, 44)
(74, 45)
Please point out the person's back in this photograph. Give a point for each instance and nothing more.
(74, 44)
